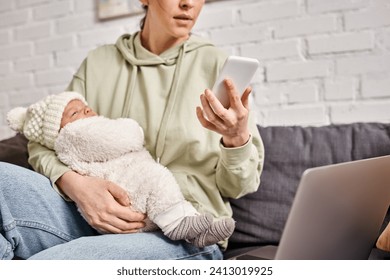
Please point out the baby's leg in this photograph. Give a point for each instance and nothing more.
(160, 192)
(189, 227)
(183, 222)
(177, 218)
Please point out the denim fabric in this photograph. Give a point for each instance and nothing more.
(138, 246)
(36, 223)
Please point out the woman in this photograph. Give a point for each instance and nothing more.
(154, 76)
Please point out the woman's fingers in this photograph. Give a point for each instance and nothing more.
(232, 122)
(98, 202)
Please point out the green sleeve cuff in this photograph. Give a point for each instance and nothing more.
(231, 157)
(59, 171)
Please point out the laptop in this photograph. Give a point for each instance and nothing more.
(337, 213)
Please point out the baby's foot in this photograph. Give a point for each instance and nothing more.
(218, 231)
(190, 227)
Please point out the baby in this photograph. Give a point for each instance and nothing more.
(96, 146)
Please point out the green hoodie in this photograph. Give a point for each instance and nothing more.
(161, 93)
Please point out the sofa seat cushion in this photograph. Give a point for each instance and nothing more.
(289, 151)
(14, 150)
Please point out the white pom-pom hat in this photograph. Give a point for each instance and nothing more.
(41, 121)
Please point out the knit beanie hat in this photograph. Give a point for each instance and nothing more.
(41, 121)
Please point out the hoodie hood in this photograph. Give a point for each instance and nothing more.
(132, 50)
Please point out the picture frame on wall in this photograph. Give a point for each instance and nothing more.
(108, 9)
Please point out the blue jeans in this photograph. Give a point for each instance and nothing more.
(36, 223)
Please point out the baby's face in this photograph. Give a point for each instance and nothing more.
(76, 110)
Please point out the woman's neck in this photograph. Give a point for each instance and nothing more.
(157, 43)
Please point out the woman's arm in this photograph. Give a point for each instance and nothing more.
(103, 204)
(242, 151)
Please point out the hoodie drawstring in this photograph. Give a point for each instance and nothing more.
(170, 104)
(129, 97)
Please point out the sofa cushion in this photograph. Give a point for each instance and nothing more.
(289, 151)
(14, 150)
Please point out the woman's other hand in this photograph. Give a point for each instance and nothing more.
(103, 204)
(231, 123)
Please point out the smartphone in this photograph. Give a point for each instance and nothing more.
(240, 70)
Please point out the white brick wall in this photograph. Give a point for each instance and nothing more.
(321, 61)
(346, 42)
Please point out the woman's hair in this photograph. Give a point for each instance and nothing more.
(142, 22)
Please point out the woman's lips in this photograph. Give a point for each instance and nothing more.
(183, 17)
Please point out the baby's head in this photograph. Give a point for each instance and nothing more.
(42, 121)
(75, 110)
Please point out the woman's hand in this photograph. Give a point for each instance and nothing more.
(104, 204)
(231, 123)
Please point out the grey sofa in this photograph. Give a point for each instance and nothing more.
(289, 151)
(260, 216)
